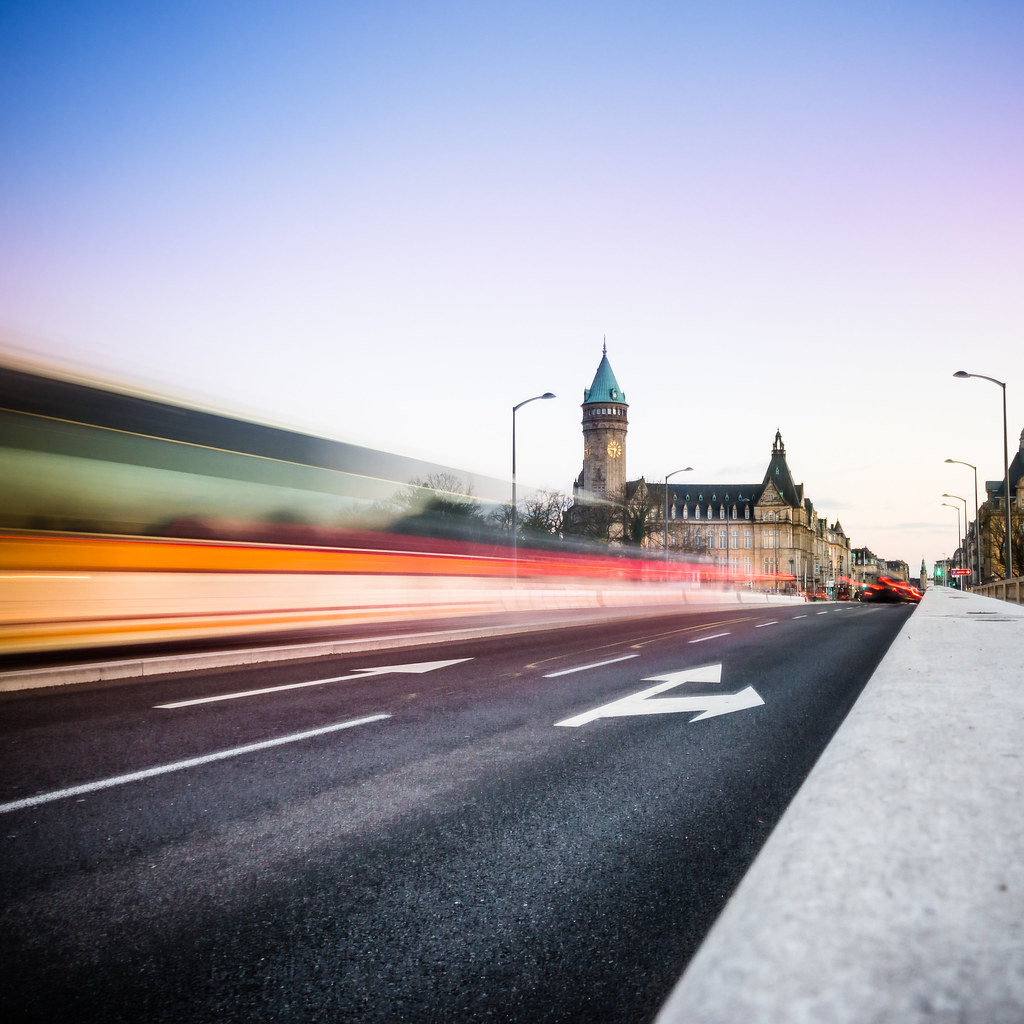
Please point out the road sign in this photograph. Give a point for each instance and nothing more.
(960, 572)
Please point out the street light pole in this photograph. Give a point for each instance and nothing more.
(515, 523)
(964, 500)
(958, 544)
(963, 374)
(977, 524)
(689, 469)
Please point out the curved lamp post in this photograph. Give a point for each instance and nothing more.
(689, 469)
(977, 524)
(964, 500)
(963, 375)
(958, 544)
(515, 524)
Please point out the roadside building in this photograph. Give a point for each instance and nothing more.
(766, 534)
(992, 521)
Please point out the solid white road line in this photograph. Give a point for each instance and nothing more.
(177, 766)
(701, 639)
(583, 668)
(417, 668)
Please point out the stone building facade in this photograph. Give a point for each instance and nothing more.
(991, 525)
(764, 534)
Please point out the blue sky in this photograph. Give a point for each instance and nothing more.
(390, 222)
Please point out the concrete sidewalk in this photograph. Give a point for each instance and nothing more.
(893, 887)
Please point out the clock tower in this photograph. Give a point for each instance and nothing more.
(604, 437)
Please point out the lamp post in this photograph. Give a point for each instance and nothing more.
(963, 375)
(977, 524)
(515, 523)
(958, 544)
(689, 469)
(964, 500)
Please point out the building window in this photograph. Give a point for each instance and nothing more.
(748, 538)
(696, 511)
(711, 539)
(686, 512)
(721, 511)
(723, 539)
(746, 512)
(735, 538)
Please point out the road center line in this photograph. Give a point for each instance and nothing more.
(177, 766)
(583, 668)
(701, 639)
(256, 693)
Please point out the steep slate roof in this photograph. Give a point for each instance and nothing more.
(778, 473)
(691, 494)
(605, 387)
(1016, 471)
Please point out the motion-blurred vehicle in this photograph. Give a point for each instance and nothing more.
(887, 591)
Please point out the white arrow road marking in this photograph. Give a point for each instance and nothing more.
(641, 704)
(360, 673)
(177, 766)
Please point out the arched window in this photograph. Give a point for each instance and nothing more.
(696, 511)
(721, 511)
(686, 511)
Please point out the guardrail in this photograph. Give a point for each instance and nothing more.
(1004, 590)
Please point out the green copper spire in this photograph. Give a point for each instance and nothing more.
(605, 387)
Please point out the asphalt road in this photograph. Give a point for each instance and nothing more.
(526, 831)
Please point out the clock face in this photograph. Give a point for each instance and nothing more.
(614, 449)
(586, 451)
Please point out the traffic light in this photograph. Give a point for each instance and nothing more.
(938, 572)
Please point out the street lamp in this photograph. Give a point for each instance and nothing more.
(977, 524)
(689, 469)
(963, 375)
(964, 500)
(515, 524)
(958, 544)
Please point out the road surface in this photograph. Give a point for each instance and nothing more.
(524, 829)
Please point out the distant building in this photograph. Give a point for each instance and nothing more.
(992, 521)
(767, 533)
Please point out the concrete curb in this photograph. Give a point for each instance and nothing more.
(893, 887)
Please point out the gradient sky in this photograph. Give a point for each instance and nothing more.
(390, 222)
